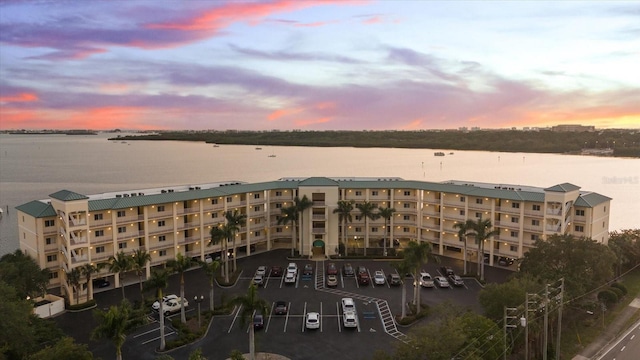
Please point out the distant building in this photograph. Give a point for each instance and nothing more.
(572, 128)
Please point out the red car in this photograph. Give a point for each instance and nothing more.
(332, 269)
(276, 271)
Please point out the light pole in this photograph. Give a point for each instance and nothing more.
(198, 300)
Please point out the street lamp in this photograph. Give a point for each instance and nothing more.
(198, 300)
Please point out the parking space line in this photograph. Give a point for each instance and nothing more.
(304, 316)
(235, 317)
(320, 316)
(338, 312)
(253, 314)
(158, 338)
(286, 320)
(370, 279)
(147, 332)
(273, 304)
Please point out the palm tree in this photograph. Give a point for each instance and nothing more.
(112, 324)
(73, 277)
(181, 264)
(344, 216)
(290, 215)
(403, 267)
(120, 264)
(481, 229)
(158, 281)
(386, 214)
(235, 220)
(87, 270)
(302, 205)
(139, 264)
(210, 269)
(249, 304)
(367, 211)
(463, 229)
(221, 234)
(417, 254)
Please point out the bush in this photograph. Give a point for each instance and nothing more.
(619, 293)
(620, 286)
(608, 297)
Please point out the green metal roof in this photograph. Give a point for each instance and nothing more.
(37, 209)
(591, 199)
(318, 181)
(564, 187)
(66, 195)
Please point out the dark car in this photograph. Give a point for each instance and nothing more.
(280, 308)
(101, 283)
(308, 270)
(276, 271)
(347, 270)
(396, 243)
(332, 269)
(394, 279)
(505, 261)
(446, 271)
(363, 278)
(258, 321)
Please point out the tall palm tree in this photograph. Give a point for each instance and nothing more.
(120, 263)
(87, 270)
(302, 205)
(235, 220)
(367, 211)
(139, 264)
(344, 216)
(73, 277)
(290, 215)
(482, 230)
(112, 324)
(386, 214)
(249, 304)
(403, 267)
(158, 281)
(221, 234)
(463, 229)
(417, 254)
(210, 269)
(181, 264)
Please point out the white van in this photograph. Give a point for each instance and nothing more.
(348, 305)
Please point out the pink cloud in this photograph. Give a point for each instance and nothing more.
(308, 122)
(282, 113)
(22, 97)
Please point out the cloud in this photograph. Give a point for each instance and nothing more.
(20, 97)
(293, 56)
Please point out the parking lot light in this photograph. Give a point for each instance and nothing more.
(198, 300)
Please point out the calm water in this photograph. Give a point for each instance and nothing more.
(34, 166)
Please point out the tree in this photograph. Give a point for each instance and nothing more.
(482, 232)
(302, 205)
(417, 255)
(463, 229)
(344, 217)
(24, 274)
(235, 220)
(386, 214)
(65, 348)
(73, 278)
(290, 215)
(16, 333)
(221, 234)
(367, 211)
(403, 267)
(158, 281)
(210, 269)
(112, 325)
(494, 297)
(181, 264)
(140, 258)
(250, 304)
(196, 355)
(625, 244)
(120, 263)
(87, 270)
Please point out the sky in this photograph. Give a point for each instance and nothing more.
(318, 65)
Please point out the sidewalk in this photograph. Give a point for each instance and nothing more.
(612, 331)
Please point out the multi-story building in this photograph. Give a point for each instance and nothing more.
(69, 229)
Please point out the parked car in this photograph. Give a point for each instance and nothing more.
(174, 305)
(258, 321)
(292, 267)
(394, 279)
(446, 271)
(101, 283)
(441, 281)
(308, 269)
(396, 243)
(505, 261)
(378, 278)
(456, 280)
(290, 278)
(332, 269)
(280, 308)
(262, 270)
(208, 259)
(363, 278)
(313, 320)
(276, 271)
(332, 280)
(347, 270)
(349, 319)
(362, 270)
(156, 305)
(258, 280)
(348, 305)
(426, 280)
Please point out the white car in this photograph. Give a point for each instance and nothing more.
(348, 305)
(426, 280)
(262, 270)
(378, 278)
(173, 305)
(292, 267)
(313, 320)
(258, 280)
(156, 305)
(290, 278)
(349, 320)
(441, 281)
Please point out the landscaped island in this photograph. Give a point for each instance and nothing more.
(623, 143)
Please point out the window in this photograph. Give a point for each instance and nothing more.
(374, 229)
(49, 241)
(515, 220)
(122, 245)
(99, 249)
(122, 229)
(214, 201)
(535, 237)
(406, 205)
(515, 205)
(229, 199)
(479, 215)
(535, 222)
(579, 212)
(278, 193)
(256, 196)
(160, 208)
(49, 223)
(462, 212)
(214, 215)
(407, 193)
(496, 245)
(462, 199)
(535, 207)
(256, 208)
(163, 252)
(605, 209)
(97, 217)
(278, 230)
(51, 258)
(513, 248)
(374, 193)
(579, 228)
(122, 213)
(358, 193)
(162, 238)
(258, 233)
(257, 221)
(99, 233)
(357, 217)
(358, 229)
(514, 234)
(406, 229)
(161, 223)
(53, 275)
(278, 206)
(406, 217)
(478, 201)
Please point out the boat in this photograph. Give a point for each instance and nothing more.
(451, 153)
(272, 155)
(216, 145)
(258, 148)
(439, 153)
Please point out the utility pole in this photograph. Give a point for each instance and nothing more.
(559, 297)
(546, 321)
(507, 320)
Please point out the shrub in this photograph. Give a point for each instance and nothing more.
(608, 297)
(620, 286)
(619, 293)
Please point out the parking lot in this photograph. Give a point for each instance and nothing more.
(286, 334)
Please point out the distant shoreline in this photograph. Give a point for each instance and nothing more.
(614, 143)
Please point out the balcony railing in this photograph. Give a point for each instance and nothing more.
(554, 211)
(50, 230)
(130, 234)
(159, 215)
(133, 218)
(161, 230)
(318, 230)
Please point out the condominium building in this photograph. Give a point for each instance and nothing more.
(69, 229)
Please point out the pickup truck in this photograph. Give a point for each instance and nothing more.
(173, 305)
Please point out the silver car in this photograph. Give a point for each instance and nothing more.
(441, 281)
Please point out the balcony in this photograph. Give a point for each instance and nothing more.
(553, 228)
(318, 217)
(130, 234)
(189, 225)
(431, 211)
(77, 240)
(79, 258)
(101, 240)
(100, 256)
(508, 209)
(161, 230)
(190, 210)
(318, 230)
(554, 211)
(161, 245)
(128, 219)
(77, 220)
(160, 215)
(50, 230)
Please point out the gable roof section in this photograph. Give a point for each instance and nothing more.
(37, 209)
(591, 199)
(66, 195)
(564, 187)
(318, 181)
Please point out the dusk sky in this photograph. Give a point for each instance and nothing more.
(318, 65)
